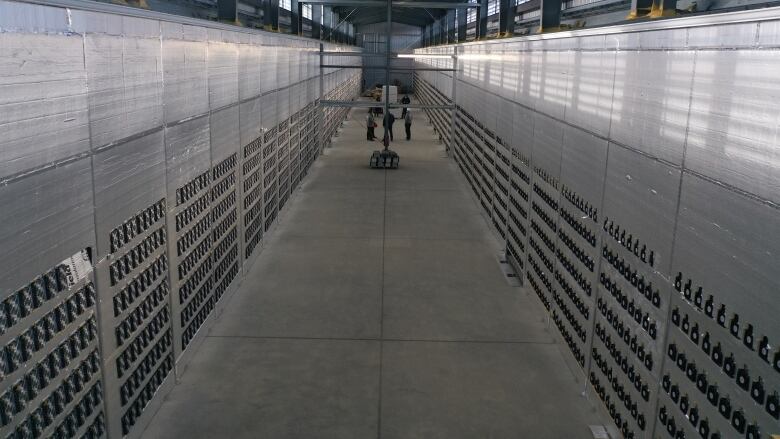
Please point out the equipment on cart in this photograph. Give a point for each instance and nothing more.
(384, 159)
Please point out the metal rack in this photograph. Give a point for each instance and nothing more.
(614, 232)
(119, 257)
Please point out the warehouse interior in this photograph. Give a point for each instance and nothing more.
(570, 230)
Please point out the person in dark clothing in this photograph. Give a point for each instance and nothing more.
(370, 124)
(388, 122)
(405, 100)
(408, 125)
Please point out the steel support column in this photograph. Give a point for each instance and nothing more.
(639, 8)
(316, 18)
(227, 10)
(550, 16)
(271, 15)
(506, 24)
(401, 4)
(326, 26)
(451, 26)
(386, 90)
(296, 12)
(482, 14)
(663, 8)
(430, 35)
(461, 34)
(453, 96)
(334, 30)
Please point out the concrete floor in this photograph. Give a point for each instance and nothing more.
(378, 309)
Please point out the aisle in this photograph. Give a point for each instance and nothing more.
(378, 309)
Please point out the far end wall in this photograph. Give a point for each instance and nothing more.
(405, 38)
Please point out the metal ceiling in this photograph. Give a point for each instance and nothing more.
(370, 15)
(411, 12)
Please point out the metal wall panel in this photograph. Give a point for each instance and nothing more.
(547, 144)
(589, 91)
(685, 290)
(132, 277)
(225, 133)
(187, 151)
(188, 158)
(250, 124)
(282, 67)
(46, 217)
(529, 87)
(222, 72)
(732, 134)
(128, 178)
(25, 17)
(270, 116)
(731, 36)
(100, 219)
(124, 77)
(268, 66)
(249, 71)
(583, 164)
(185, 77)
(225, 193)
(43, 101)
(652, 97)
(523, 130)
(726, 247)
(651, 189)
(769, 34)
(554, 74)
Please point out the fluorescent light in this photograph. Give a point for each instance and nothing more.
(422, 55)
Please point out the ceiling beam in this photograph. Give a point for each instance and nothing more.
(371, 16)
(396, 4)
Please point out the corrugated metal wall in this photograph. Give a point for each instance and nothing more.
(404, 40)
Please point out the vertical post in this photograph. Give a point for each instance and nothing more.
(506, 24)
(331, 25)
(430, 34)
(227, 10)
(332, 30)
(639, 8)
(322, 87)
(663, 8)
(461, 34)
(271, 16)
(453, 95)
(386, 92)
(482, 19)
(316, 18)
(550, 15)
(325, 23)
(296, 12)
(451, 14)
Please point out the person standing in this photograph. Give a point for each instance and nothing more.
(370, 125)
(408, 125)
(388, 122)
(405, 100)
